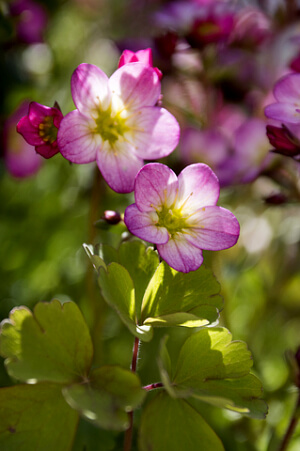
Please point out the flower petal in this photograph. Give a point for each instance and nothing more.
(75, 140)
(90, 90)
(283, 112)
(119, 166)
(155, 186)
(29, 132)
(198, 187)
(156, 132)
(181, 254)
(213, 228)
(137, 85)
(47, 150)
(38, 112)
(287, 89)
(142, 225)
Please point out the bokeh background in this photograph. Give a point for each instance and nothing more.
(219, 73)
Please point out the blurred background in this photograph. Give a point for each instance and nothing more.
(220, 61)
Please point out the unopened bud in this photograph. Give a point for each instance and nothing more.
(112, 217)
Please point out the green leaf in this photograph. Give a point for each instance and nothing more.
(176, 299)
(96, 260)
(169, 424)
(118, 290)
(107, 397)
(51, 344)
(141, 263)
(36, 417)
(165, 366)
(214, 369)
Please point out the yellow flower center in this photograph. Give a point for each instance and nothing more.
(110, 127)
(47, 130)
(171, 219)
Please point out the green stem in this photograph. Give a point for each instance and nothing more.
(129, 431)
(291, 427)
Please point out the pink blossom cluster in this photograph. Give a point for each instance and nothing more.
(118, 123)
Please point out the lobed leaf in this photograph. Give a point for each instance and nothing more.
(36, 417)
(216, 370)
(118, 290)
(176, 299)
(141, 264)
(107, 397)
(169, 424)
(146, 294)
(51, 344)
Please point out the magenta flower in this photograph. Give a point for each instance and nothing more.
(39, 128)
(31, 20)
(141, 56)
(117, 123)
(20, 159)
(287, 94)
(283, 141)
(180, 214)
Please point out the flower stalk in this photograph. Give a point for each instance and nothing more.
(129, 431)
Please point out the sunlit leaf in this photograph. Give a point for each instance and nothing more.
(169, 424)
(177, 299)
(95, 259)
(51, 344)
(36, 417)
(141, 263)
(118, 290)
(107, 397)
(214, 369)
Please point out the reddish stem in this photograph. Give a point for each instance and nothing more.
(291, 427)
(129, 431)
(135, 354)
(153, 386)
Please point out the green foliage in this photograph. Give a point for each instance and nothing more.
(52, 344)
(176, 299)
(146, 294)
(52, 349)
(36, 417)
(107, 396)
(214, 369)
(173, 424)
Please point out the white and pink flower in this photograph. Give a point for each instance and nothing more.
(179, 214)
(117, 123)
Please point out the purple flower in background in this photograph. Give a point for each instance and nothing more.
(250, 153)
(20, 158)
(213, 24)
(141, 56)
(31, 20)
(287, 93)
(116, 122)
(180, 214)
(39, 128)
(251, 27)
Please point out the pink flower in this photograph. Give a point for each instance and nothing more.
(180, 214)
(20, 158)
(39, 128)
(287, 94)
(141, 56)
(251, 27)
(31, 21)
(213, 24)
(116, 122)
